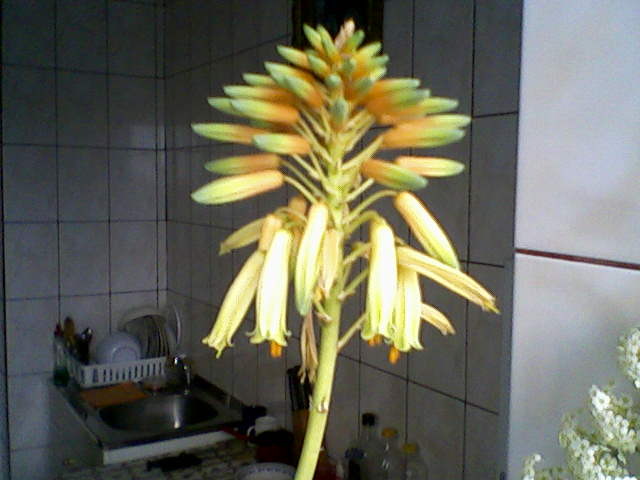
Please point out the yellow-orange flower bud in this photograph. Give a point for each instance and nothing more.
(227, 132)
(391, 175)
(238, 187)
(282, 143)
(243, 164)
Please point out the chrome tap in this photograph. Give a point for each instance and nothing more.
(180, 368)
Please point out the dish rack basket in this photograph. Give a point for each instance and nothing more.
(99, 375)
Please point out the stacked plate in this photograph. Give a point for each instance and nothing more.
(158, 331)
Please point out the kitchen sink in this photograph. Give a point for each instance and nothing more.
(158, 413)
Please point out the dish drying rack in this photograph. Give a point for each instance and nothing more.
(99, 375)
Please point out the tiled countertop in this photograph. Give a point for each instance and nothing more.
(219, 462)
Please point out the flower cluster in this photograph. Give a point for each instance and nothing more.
(629, 355)
(616, 419)
(307, 117)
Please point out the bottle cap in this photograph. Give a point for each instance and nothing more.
(369, 419)
(389, 432)
(410, 448)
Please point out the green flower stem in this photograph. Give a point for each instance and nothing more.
(298, 186)
(319, 410)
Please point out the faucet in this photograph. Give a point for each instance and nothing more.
(180, 368)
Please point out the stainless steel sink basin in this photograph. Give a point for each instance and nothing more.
(160, 413)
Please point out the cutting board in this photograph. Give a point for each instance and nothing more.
(113, 395)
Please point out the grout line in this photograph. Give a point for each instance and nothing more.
(579, 259)
(75, 295)
(108, 112)
(469, 191)
(496, 114)
(88, 147)
(75, 70)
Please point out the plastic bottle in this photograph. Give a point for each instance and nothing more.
(363, 456)
(415, 468)
(391, 461)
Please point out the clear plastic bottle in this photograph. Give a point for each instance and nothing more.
(415, 468)
(362, 457)
(391, 461)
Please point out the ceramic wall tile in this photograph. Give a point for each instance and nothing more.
(493, 172)
(342, 426)
(161, 184)
(567, 320)
(28, 106)
(28, 32)
(182, 114)
(497, 56)
(81, 31)
(83, 184)
(30, 189)
(33, 463)
(441, 364)
(484, 340)
(201, 275)
(398, 37)
(437, 425)
(29, 415)
(84, 258)
(245, 362)
(201, 315)
(443, 48)
(267, 22)
(132, 36)
(30, 352)
(482, 445)
(577, 186)
(178, 257)
(221, 29)
(272, 383)
(385, 395)
(177, 37)
(31, 260)
(162, 255)
(221, 74)
(132, 121)
(133, 180)
(133, 256)
(179, 186)
(220, 215)
(200, 46)
(82, 109)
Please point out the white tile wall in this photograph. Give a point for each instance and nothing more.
(578, 159)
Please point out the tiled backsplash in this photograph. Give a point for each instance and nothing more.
(83, 189)
(98, 153)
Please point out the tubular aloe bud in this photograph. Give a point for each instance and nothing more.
(339, 112)
(396, 100)
(271, 298)
(237, 187)
(268, 111)
(293, 55)
(430, 166)
(417, 137)
(298, 204)
(307, 263)
(227, 132)
(280, 69)
(328, 46)
(272, 94)
(406, 314)
(282, 143)
(391, 175)
(353, 42)
(382, 283)
(426, 229)
(243, 164)
(436, 318)
(392, 84)
(438, 121)
(313, 37)
(427, 106)
(367, 51)
(333, 82)
(235, 304)
(242, 237)
(258, 80)
(451, 278)
(302, 89)
(269, 228)
(223, 104)
(318, 66)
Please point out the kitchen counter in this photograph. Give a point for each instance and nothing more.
(219, 462)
